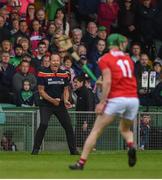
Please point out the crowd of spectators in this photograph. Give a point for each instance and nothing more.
(28, 37)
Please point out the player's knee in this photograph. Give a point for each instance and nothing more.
(124, 128)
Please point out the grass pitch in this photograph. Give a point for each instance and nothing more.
(100, 165)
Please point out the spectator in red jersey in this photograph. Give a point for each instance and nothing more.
(108, 14)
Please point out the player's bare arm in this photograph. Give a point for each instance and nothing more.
(66, 97)
(106, 85)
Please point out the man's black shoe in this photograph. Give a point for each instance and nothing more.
(75, 153)
(76, 166)
(132, 157)
(35, 152)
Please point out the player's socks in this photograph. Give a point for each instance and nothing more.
(130, 144)
(78, 165)
(82, 161)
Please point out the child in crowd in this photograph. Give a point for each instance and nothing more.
(26, 95)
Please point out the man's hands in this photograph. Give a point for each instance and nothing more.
(56, 101)
(100, 107)
(68, 104)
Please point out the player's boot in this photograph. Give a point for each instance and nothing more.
(75, 153)
(35, 152)
(132, 157)
(76, 166)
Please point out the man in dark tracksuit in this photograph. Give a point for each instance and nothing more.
(85, 102)
(53, 89)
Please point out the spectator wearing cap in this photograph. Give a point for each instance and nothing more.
(102, 33)
(108, 14)
(4, 32)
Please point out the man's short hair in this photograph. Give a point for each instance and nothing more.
(79, 78)
(41, 43)
(18, 46)
(24, 61)
(77, 30)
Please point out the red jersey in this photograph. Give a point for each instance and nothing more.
(122, 71)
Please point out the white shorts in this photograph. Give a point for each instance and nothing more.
(126, 108)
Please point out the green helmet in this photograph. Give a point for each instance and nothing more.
(115, 39)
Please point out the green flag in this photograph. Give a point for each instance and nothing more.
(52, 7)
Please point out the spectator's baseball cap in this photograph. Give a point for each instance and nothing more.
(102, 28)
(115, 39)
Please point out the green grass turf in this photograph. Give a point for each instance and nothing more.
(100, 165)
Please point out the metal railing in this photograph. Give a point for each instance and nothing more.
(20, 125)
